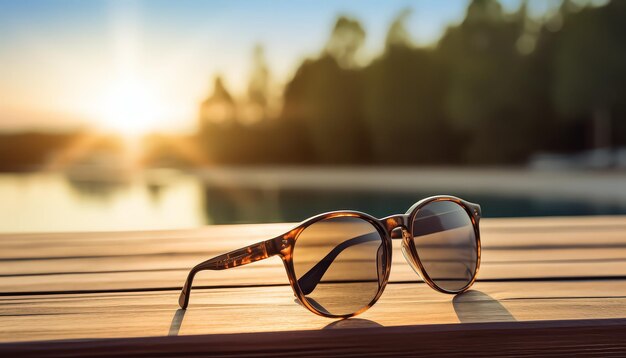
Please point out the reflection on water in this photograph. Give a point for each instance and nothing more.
(167, 200)
(54, 202)
(244, 205)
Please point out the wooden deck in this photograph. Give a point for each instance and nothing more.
(553, 285)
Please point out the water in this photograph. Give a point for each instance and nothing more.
(47, 202)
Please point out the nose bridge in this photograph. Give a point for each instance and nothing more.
(396, 226)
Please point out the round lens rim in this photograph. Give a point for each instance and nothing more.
(412, 212)
(293, 280)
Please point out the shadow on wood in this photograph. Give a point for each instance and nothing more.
(474, 307)
(496, 339)
(352, 323)
(177, 321)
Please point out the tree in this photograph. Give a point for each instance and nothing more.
(487, 87)
(402, 102)
(258, 86)
(589, 76)
(218, 114)
(325, 96)
(219, 107)
(346, 40)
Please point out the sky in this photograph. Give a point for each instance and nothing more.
(69, 63)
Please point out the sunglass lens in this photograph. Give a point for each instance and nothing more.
(446, 244)
(338, 263)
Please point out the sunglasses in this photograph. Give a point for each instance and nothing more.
(338, 263)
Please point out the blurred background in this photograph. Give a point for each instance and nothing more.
(120, 115)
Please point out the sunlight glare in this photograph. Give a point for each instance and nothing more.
(130, 106)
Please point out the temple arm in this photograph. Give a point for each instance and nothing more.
(243, 256)
(427, 225)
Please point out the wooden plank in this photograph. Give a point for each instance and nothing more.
(589, 338)
(185, 261)
(272, 272)
(513, 249)
(497, 234)
(9, 267)
(236, 310)
(557, 282)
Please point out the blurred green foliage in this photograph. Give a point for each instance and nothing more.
(496, 88)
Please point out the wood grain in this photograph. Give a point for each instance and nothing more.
(255, 309)
(513, 249)
(589, 338)
(565, 277)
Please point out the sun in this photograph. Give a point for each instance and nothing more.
(130, 106)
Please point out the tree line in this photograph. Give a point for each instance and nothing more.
(495, 89)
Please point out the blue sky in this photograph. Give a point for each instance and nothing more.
(59, 58)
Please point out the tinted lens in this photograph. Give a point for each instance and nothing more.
(339, 263)
(446, 244)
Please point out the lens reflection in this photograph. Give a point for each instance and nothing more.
(336, 263)
(446, 244)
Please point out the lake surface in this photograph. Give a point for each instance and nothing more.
(46, 202)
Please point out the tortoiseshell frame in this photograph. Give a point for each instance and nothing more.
(388, 228)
